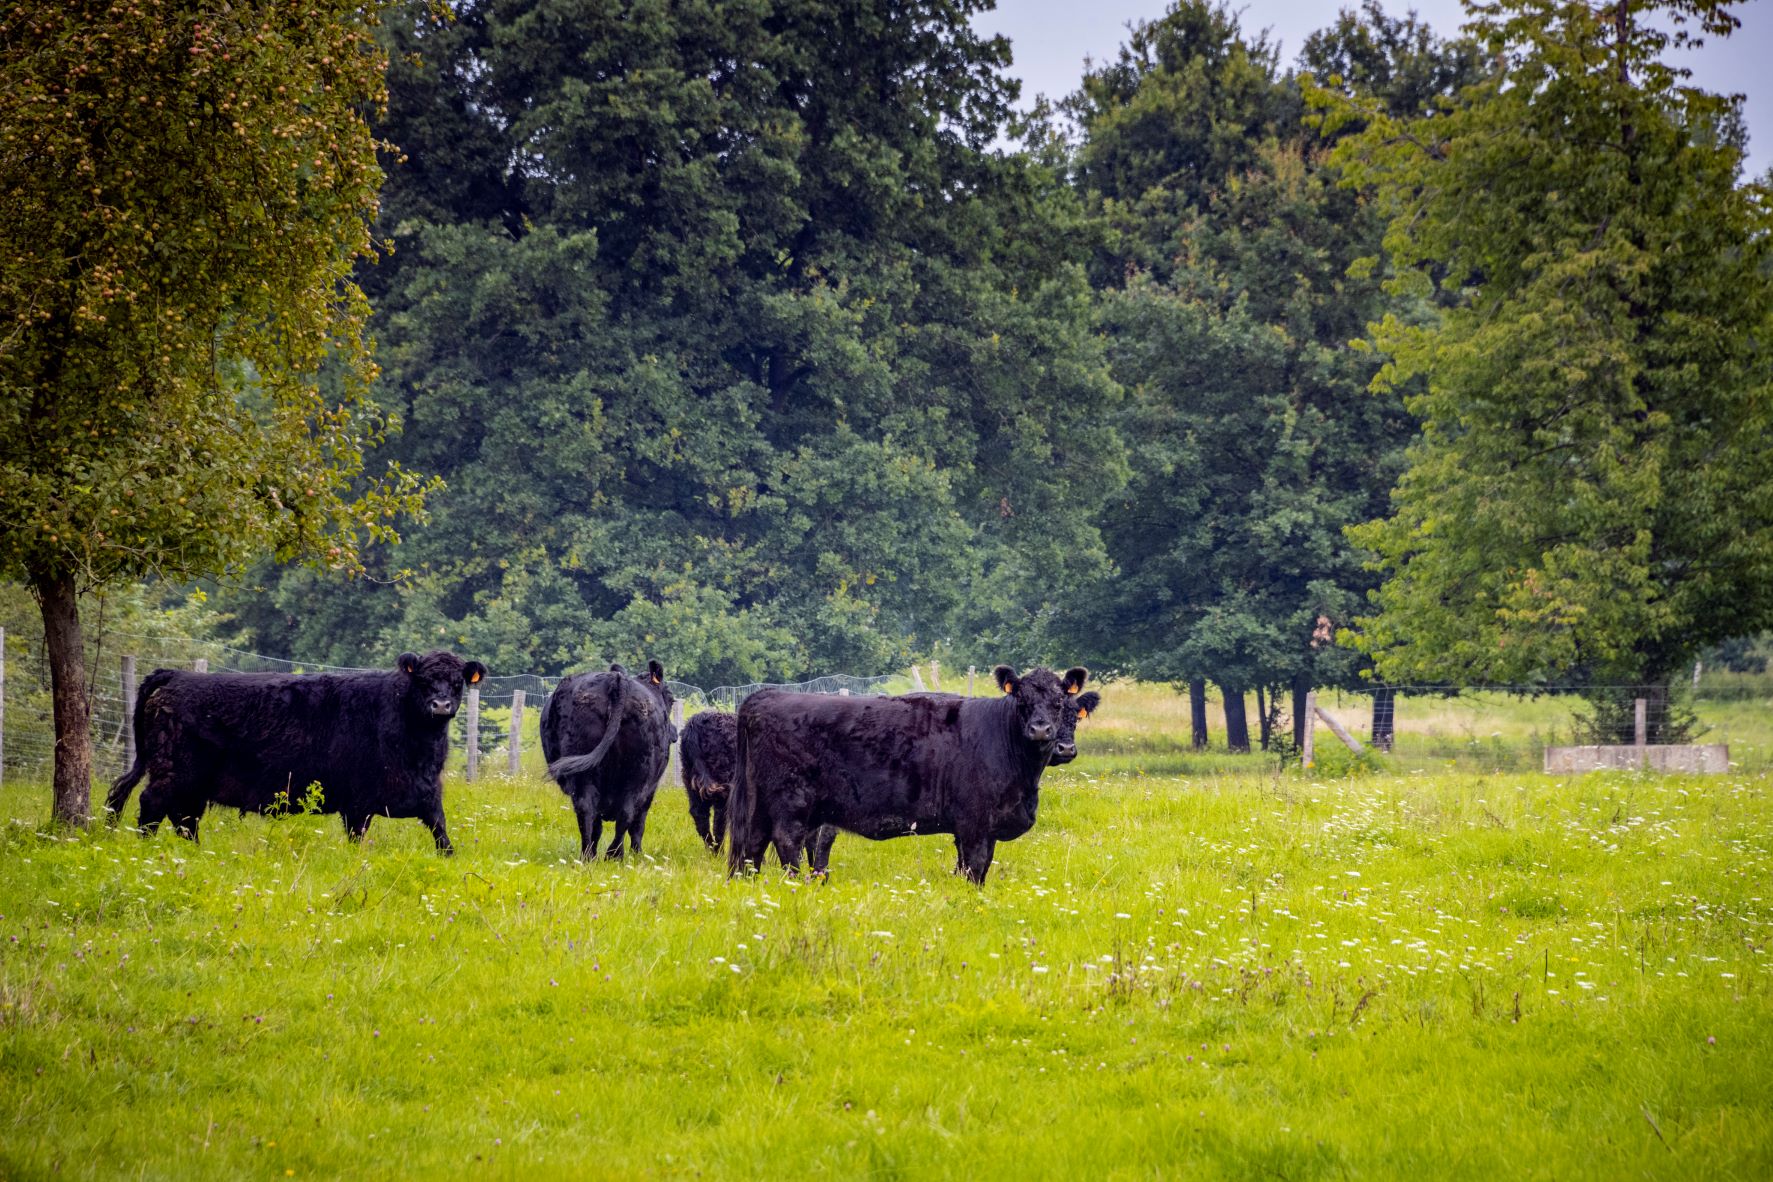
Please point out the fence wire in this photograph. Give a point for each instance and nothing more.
(27, 724)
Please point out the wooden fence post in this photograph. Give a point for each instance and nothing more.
(473, 732)
(1340, 731)
(128, 712)
(971, 670)
(917, 679)
(2, 705)
(935, 675)
(201, 664)
(515, 754)
(1640, 732)
(1307, 748)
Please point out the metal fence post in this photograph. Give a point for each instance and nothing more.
(516, 749)
(473, 731)
(128, 712)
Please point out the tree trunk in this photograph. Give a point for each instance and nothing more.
(1237, 725)
(1384, 717)
(1197, 712)
(1264, 718)
(66, 651)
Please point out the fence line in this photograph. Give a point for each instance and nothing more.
(497, 707)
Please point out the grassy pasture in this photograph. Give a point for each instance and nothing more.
(1184, 971)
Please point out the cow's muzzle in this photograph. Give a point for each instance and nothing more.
(443, 707)
(1041, 732)
(1064, 753)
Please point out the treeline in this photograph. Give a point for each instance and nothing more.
(768, 339)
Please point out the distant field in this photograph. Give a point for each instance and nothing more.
(1250, 974)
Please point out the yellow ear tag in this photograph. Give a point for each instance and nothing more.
(655, 681)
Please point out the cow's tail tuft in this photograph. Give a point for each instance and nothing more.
(741, 809)
(125, 784)
(573, 765)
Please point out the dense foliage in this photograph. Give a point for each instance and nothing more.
(738, 341)
(1592, 493)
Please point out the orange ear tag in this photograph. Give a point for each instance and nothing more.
(474, 679)
(1072, 689)
(1082, 714)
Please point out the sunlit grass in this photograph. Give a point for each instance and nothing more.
(1198, 975)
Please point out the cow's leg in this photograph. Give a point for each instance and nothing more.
(789, 836)
(184, 820)
(636, 831)
(975, 857)
(718, 808)
(590, 824)
(356, 823)
(818, 849)
(699, 811)
(619, 830)
(433, 819)
(153, 809)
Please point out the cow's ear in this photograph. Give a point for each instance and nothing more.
(1006, 678)
(616, 667)
(474, 671)
(1074, 678)
(408, 663)
(657, 671)
(1087, 703)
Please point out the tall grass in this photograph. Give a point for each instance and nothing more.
(1174, 975)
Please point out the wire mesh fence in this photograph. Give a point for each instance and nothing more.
(119, 661)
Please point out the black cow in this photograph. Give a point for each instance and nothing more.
(606, 737)
(374, 742)
(893, 767)
(1077, 707)
(708, 759)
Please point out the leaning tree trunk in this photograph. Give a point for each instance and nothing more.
(66, 651)
(1384, 716)
(1197, 712)
(1264, 717)
(1237, 725)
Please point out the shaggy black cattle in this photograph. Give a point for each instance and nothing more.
(374, 742)
(708, 758)
(1077, 707)
(606, 737)
(893, 767)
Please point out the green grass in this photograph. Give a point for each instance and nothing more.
(1203, 975)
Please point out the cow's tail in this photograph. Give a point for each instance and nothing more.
(573, 765)
(125, 784)
(741, 810)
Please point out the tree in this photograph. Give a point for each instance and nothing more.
(739, 343)
(186, 186)
(1592, 493)
(1229, 312)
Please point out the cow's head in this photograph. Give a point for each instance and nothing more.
(434, 682)
(1077, 708)
(653, 680)
(1039, 696)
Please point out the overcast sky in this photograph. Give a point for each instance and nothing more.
(1051, 38)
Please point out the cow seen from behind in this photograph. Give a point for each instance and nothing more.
(607, 737)
(375, 743)
(708, 756)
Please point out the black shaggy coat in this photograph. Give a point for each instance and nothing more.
(708, 757)
(374, 742)
(1077, 707)
(607, 737)
(893, 767)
